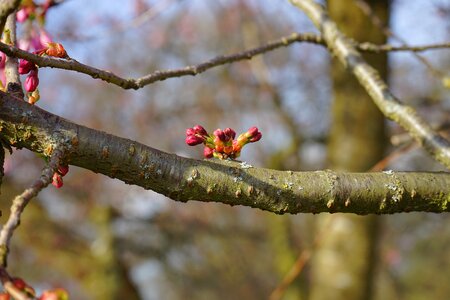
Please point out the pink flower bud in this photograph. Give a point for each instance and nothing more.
(230, 133)
(22, 15)
(63, 170)
(251, 132)
(2, 60)
(26, 66)
(200, 130)
(57, 180)
(193, 140)
(220, 135)
(256, 138)
(208, 152)
(190, 131)
(32, 81)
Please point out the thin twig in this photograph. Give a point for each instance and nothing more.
(367, 9)
(160, 75)
(20, 201)
(370, 47)
(71, 64)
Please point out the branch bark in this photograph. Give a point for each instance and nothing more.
(7, 7)
(229, 182)
(390, 106)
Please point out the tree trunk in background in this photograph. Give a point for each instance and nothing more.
(343, 265)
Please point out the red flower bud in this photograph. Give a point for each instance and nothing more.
(190, 131)
(193, 140)
(23, 286)
(32, 81)
(57, 180)
(230, 133)
(200, 130)
(220, 135)
(251, 132)
(256, 138)
(63, 170)
(2, 60)
(26, 66)
(208, 152)
(19, 283)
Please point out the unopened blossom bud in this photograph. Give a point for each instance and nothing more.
(208, 152)
(63, 170)
(2, 60)
(230, 133)
(34, 97)
(22, 15)
(256, 137)
(220, 135)
(200, 130)
(57, 180)
(26, 66)
(20, 284)
(253, 134)
(56, 49)
(32, 81)
(193, 140)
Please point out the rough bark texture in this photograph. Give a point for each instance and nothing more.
(343, 264)
(229, 182)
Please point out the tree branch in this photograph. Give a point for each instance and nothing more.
(13, 84)
(73, 65)
(137, 83)
(20, 201)
(229, 182)
(7, 7)
(369, 78)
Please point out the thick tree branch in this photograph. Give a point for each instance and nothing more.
(19, 202)
(233, 183)
(369, 78)
(137, 83)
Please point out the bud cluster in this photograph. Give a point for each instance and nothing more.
(27, 67)
(21, 285)
(222, 143)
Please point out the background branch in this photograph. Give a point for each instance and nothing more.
(137, 83)
(369, 78)
(19, 203)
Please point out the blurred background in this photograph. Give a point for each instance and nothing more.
(102, 239)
